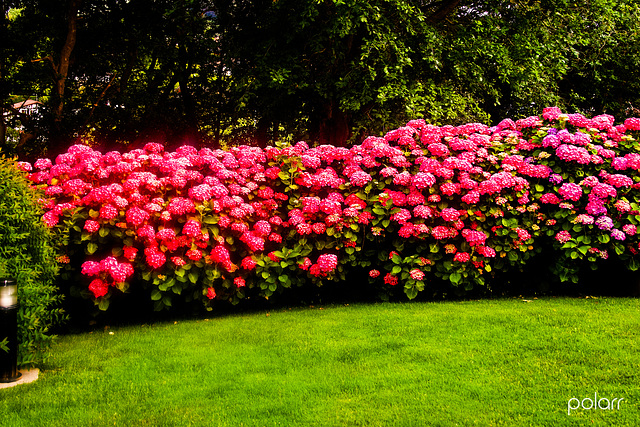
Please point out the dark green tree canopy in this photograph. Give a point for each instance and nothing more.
(330, 71)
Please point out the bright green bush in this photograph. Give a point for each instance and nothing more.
(27, 255)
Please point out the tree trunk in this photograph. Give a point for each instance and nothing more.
(335, 127)
(61, 71)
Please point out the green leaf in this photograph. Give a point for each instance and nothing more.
(103, 232)
(455, 277)
(193, 277)
(92, 248)
(166, 284)
(103, 304)
(411, 292)
(208, 219)
(396, 269)
(156, 295)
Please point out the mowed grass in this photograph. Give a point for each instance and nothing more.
(485, 363)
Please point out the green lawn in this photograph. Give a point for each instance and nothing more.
(489, 362)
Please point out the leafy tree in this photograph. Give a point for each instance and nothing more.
(329, 71)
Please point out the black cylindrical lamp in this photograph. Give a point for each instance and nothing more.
(9, 329)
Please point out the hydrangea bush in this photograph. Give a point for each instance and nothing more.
(424, 203)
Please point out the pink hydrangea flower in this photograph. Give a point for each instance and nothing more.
(570, 191)
(327, 262)
(91, 226)
(563, 236)
(450, 214)
(461, 257)
(416, 274)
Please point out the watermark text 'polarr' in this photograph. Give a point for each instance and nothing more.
(589, 404)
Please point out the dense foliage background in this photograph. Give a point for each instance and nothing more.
(331, 71)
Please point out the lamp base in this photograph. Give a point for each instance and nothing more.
(11, 378)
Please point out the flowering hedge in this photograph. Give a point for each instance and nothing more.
(456, 204)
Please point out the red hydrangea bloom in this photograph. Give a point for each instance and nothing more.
(423, 180)
(551, 113)
(130, 252)
(220, 254)
(389, 279)
(181, 206)
(192, 228)
(306, 263)
(461, 257)
(360, 178)
(99, 288)
(211, 293)
(474, 237)
(549, 198)
(441, 233)
(50, 219)
(416, 274)
(239, 282)
(401, 216)
(248, 263)
(422, 211)
(275, 237)
(450, 188)
(450, 214)
(327, 262)
(563, 236)
(570, 191)
(486, 251)
(178, 261)
(194, 255)
(91, 268)
(273, 257)
(523, 234)
(603, 191)
(618, 180)
(91, 226)
(630, 229)
(632, 123)
(255, 243)
(154, 257)
(136, 216)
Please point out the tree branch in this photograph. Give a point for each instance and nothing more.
(445, 10)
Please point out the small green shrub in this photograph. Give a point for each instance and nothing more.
(27, 255)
